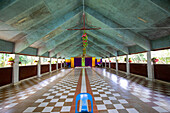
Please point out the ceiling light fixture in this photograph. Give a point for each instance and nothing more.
(119, 35)
(141, 19)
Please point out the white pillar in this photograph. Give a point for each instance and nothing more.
(15, 76)
(39, 67)
(150, 66)
(61, 65)
(109, 63)
(116, 64)
(64, 63)
(50, 68)
(57, 64)
(105, 64)
(127, 65)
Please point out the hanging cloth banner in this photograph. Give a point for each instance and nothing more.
(85, 40)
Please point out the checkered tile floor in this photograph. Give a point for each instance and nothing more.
(112, 94)
(155, 99)
(108, 100)
(13, 98)
(58, 98)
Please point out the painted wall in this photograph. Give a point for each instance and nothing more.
(88, 61)
(77, 62)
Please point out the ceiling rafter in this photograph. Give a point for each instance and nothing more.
(112, 52)
(110, 41)
(63, 48)
(99, 49)
(130, 35)
(45, 29)
(63, 37)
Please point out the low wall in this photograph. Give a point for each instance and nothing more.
(44, 68)
(113, 65)
(53, 67)
(139, 69)
(162, 72)
(122, 66)
(6, 75)
(24, 72)
(27, 71)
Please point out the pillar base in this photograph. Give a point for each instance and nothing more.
(150, 79)
(39, 76)
(127, 73)
(16, 83)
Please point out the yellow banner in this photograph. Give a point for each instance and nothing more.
(68, 60)
(72, 62)
(93, 61)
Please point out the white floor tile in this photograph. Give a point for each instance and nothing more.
(113, 111)
(39, 100)
(58, 94)
(54, 100)
(55, 92)
(66, 109)
(101, 107)
(44, 104)
(66, 91)
(71, 93)
(159, 103)
(47, 109)
(69, 100)
(116, 94)
(11, 105)
(132, 110)
(103, 95)
(46, 94)
(159, 109)
(50, 97)
(62, 97)
(112, 98)
(111, 90)
(95, 93)
(118, 106)
(30, 109)
(59, 104)
(97, 98)
(100, 91)
(107, 102)
(122, 101)
(107, 92)
(145, 100)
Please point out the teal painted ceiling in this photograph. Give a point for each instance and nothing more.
(127, 26)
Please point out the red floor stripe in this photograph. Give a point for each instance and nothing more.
(90, 92)
(78, 90)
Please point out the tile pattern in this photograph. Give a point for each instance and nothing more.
(107, 99)
(156, 95)
(12, 96)
(58, 98)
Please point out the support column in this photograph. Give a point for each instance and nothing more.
(64, 63)
(57, 64)
(150, 66)
(127, 65)
(105, 64)
(39, 67)
(15, 76)
(109, 63)
(116, 64)
(50, 68)
(61, 65)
